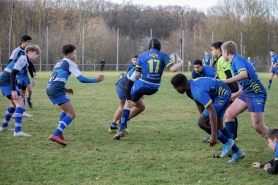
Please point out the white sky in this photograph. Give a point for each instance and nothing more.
(198, 4)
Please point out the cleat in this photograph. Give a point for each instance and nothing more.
(113, 130)
(30, 104)
(118, 124)
(268, 88)
(217, 155)
(119, 135)
(227, 147)
(126, 131)
(27, 115)
(206, 140)
(18, 134)
(3, 129)
(62, 137)
(57, 139)
(236, 156)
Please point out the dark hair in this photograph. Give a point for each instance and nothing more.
(68, 48)
(198, 62)
(272, 134)
(134, 56)
(24, 38)
(155, 43)
(272, 50)
(179, 80)
(217, 44)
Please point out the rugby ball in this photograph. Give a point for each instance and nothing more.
(175, 58)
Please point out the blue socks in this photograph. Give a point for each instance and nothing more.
(124, 119)
(114, 125)
(221, 137)
(18, 113)
(269, 83)
(8, 115)
(62, 125)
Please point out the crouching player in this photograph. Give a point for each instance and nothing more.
(212, 98)
(271, 166)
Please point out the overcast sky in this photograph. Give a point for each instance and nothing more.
(198, 4)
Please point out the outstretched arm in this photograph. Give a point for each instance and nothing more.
(240, 76)
(176, 66)
(84, 79)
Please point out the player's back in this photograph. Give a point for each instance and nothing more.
(251, 85)
(5, 76)
(152, 64)
(17, 52)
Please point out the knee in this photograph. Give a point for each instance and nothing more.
(203, 122)
(72, 115)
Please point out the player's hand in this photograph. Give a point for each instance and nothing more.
(266, 166)
(14, 95)
(69, 90)
(100, 78)
(256, 164)
(33, 82)
(212, 141)
(142, 97)
(234, 96)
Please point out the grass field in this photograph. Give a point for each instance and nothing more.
(164, 145)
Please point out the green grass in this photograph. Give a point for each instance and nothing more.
(164, 146)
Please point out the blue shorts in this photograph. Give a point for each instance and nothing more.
(255, 103)
(220, 104)
(23, 80)
(121, 93)
(7, 90)
(274, 70)
(60, 100)
(138, 90)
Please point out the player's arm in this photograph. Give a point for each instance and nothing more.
(135, 75)
(193, 74)
(175, 67)
(273, 169)
(31, 69)
(199, 107)
(270, 162)
(84, 79)
(76, 72)
(241, 76)
(210, 62)
(213, 122)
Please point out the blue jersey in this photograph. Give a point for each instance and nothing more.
(122, 82)
(252, 62)
(152, 64)
(17, 52)
(56, 86)
(20, 64)
(130, 66)
(252, 85)
(274, 60)
(276, 152)
(208, 71)
(207, 59)
(205, 90)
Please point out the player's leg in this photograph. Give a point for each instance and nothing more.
(9, 112)
(236, 108)
(137, 91)
(258, 123)
(18, 114)
(29, 94)
(137, 109)
(66, 118)
(23, 88)
(271, 74)
(114, 127)
(256, 108)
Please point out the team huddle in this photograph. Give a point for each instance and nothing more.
(219, 96)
